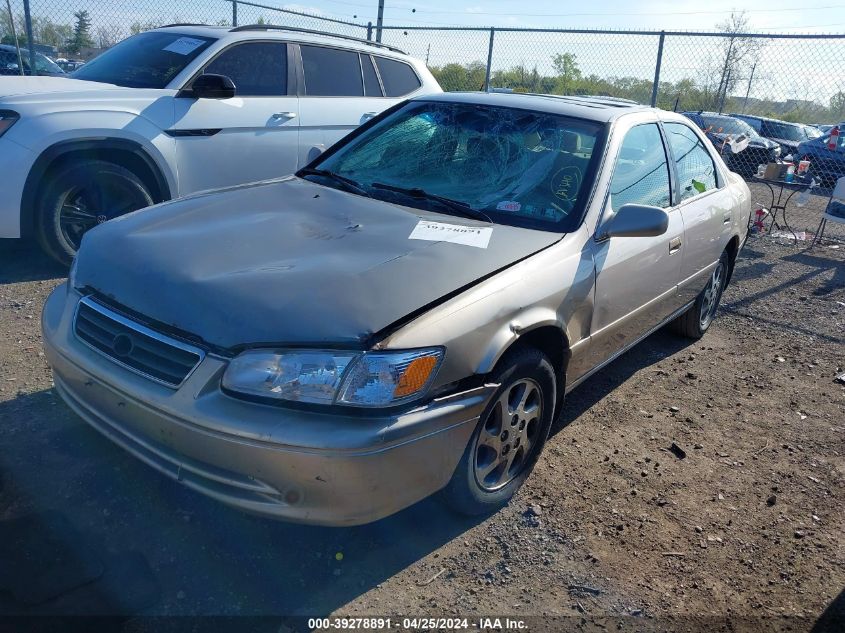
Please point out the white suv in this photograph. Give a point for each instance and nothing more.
(181, 109)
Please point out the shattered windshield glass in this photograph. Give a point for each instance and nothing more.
(518, 167)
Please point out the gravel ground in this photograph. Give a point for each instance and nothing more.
(612, 529)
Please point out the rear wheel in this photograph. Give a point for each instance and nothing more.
(509, 437)
(697, 319)
(80, 196)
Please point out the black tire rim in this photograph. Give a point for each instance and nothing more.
(509, 435)
(712, 293)
(85, 206)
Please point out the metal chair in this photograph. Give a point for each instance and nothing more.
(834, 211)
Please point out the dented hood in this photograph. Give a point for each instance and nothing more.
(286, 262)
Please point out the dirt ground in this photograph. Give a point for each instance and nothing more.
(613, 530)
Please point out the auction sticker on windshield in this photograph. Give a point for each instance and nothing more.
(479, 237)
(184, 45)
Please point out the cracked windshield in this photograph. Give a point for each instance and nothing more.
(516, 167)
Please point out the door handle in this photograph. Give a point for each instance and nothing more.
(726, 219)
(284, 115)
(675, 245)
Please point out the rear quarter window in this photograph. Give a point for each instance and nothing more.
(398, 78)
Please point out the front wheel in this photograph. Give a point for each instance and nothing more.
(697, 319)
(509, 437)
(80, 196)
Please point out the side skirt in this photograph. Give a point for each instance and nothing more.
(619, 353)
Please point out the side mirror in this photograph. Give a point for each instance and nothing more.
(212, 87)
(636, 220)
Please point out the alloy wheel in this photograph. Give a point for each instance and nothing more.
(711, 296)
(509, 435)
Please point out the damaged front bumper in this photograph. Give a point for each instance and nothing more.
(303, 466)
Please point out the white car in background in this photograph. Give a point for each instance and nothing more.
(182, 109)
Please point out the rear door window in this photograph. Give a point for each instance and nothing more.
(331, 72)
(696, 169)
(398, 78)
(641, 174)
(258, 69)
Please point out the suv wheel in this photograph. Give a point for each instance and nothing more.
(696, 321)
(80, 196)
(509, 437)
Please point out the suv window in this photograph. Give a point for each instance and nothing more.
(641, 174)
(372, 88)
(258, 69)
(330, 72)
(775, 129)
(755, 123)
(696, 169)
(398, 78)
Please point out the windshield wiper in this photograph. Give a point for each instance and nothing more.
(460, 208)
(348, 183)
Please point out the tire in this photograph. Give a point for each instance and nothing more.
(80, 196)
(697, 319)
(528, 379)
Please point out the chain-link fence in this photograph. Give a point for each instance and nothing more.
(779, 86)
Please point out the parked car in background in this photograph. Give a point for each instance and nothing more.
(405, 314)
(722, 130)
(10, 63)
(827, 164)
(69, 65)
(181, 109)
(787, 135)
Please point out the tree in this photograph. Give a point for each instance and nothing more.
(81, 33)
(837, 106)
(738, 54)
(566, 65)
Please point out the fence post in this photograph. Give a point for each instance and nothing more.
(489, 60)
(379, 20)
(656, 83)
(369, 30)
(30, 40)
(234, 12)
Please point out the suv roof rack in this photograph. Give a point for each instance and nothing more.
(167, 26)
(295, 29)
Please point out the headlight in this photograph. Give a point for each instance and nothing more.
(369, 379)
(777, 151)
(7, 120)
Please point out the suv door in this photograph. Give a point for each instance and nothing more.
(254, 135)
(705, 205)
(341, 89)
(636, 277)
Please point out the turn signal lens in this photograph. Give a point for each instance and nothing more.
(415, 376)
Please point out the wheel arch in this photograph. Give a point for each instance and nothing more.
(550, 339)
(733, 251)
(126, 153)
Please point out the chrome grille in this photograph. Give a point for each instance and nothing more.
(133, 345)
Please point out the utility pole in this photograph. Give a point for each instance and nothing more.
(748, 90)
(379, 20)
(15, 35)
(30, 41)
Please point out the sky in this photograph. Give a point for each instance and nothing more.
(813, 16)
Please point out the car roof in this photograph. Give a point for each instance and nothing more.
(603, 109)
(269, 31)
(766, 118)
